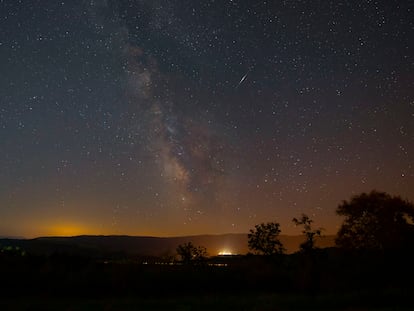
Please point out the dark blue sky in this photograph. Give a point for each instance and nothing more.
(187, 117)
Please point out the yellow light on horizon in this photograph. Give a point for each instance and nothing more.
(225, 252)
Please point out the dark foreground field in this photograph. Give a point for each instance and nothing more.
(327, 279)
(265, 302)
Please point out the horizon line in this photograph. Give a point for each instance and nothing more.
(139, 236)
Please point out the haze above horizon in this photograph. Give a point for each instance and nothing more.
(171, 118)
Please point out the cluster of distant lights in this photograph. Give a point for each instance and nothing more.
(225, 252)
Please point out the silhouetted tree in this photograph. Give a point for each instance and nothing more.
(310, 234)
(376, 221)
(264, 239)
(191, 254)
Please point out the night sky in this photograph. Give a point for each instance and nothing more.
(152, 117)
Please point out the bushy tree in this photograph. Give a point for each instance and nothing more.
(190, 253)
(308, 231)
(264, 239)
(376, 221)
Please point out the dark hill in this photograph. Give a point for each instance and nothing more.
(145, 245)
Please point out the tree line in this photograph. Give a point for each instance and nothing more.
(374, 221)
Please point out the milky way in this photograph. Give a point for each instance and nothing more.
(186, 117)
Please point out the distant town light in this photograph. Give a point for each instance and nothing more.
(225, 252)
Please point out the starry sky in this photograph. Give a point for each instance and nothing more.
(165, 118)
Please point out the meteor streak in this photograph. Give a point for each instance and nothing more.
(242, 79)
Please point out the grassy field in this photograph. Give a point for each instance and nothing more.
(327, 280)
(264, 302)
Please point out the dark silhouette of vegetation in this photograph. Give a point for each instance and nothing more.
(333, 274)
(310, 234)
(335, 278)
(264, 239)
(191, 254)
(376, 221)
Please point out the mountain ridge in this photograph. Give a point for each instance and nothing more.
(234, 243)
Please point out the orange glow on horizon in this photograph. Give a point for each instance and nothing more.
(67, 230)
